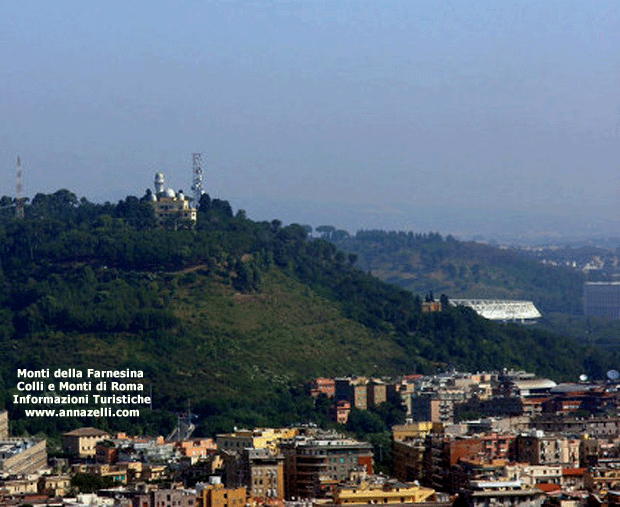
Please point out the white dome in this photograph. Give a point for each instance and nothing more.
(159, 183)
(169, 192)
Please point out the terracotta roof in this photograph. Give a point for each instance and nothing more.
(534, 401)
(86, 432)
(573, 471)
(548, 487)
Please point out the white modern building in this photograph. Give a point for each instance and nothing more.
(501, 309)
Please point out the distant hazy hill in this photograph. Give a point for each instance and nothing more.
(423, 263)
(230, 314)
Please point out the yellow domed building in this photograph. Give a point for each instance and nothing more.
(171, 207)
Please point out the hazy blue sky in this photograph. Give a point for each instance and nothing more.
(373, 106)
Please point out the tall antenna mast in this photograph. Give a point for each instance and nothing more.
(19, 201)
(197, 177)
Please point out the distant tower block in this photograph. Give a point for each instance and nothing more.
(159, 183)
(197, 177)
(19, 202)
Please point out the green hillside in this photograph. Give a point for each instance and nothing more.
(423, 263)
(231, 314)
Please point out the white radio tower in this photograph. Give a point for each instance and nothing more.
(197, 177)
(19, 201)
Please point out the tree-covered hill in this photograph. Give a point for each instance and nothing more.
(230, 313)
(423, 263)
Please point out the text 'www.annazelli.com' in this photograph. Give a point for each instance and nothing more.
(83, 412)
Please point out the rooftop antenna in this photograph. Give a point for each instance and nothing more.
(197, 177)
(19, 202)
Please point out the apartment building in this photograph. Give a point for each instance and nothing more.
(216, 495)
(259, 438)
(264, 474)
(311, 462)
(537, 448)
(22, 456)
(4, 425)
(383, 493)
(82, 442)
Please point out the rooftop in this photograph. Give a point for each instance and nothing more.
(86, 432)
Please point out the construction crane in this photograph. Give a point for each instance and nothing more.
(185, 427)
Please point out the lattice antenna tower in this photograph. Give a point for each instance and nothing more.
(19, 201)
(197, 177)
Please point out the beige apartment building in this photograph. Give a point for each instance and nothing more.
(20, 456)
(4, 425)
(82, 442)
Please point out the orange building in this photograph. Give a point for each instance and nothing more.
(106, 452)
(431, 307)
(343, 409)
(326, 386)
(197, 447)
(216, 495)
(498, 446)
